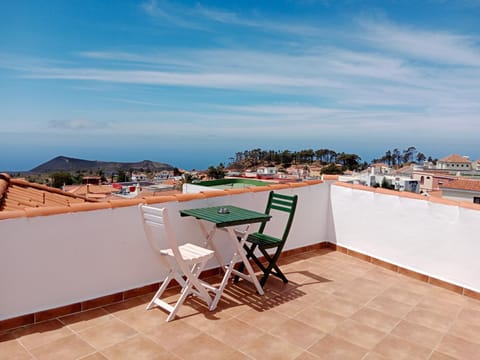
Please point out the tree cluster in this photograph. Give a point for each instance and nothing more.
(400, 158)
(286, 158)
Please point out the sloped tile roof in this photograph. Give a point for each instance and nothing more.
(462, 184)
(18, 194)
(455, 158)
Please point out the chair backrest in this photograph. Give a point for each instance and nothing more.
(156, 224)
(283, 203)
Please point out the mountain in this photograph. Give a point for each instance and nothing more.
(71, 165)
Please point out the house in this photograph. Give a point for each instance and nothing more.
(139, 177)
(299, 171)
(454, 162)
(476, 165)
(267, 170)
(380, 169)
(164, 174)
(462, 190)
(432, 180)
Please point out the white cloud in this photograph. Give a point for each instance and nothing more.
(203, 17)
(76, 124)
(438, 47)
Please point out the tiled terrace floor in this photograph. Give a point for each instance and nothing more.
(335, 307)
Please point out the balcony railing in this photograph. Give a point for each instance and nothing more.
(66, 259)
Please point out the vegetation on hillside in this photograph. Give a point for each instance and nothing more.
(332, 162)
(286, 158)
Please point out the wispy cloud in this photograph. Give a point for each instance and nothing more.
(202, 17)
(438, 47)
(76, 124)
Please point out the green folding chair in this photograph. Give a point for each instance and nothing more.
(264, 242)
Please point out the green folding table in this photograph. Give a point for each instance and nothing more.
(226, 218)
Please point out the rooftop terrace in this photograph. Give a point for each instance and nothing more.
(75, 281)
(335, 307)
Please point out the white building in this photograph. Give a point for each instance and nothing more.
(454, 162)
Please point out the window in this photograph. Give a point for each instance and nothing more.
(476, 199)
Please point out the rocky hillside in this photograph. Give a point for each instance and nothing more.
(71, 165)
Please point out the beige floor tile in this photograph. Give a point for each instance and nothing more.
(333, 348)
(172, 334)
(338, 305)
(271, 347)
(235, 333)
(358, 334)
(393, 347)
(381, 275)
(204, 347)
(375, 319)
(70, 347)
(466, 330)
(358, 296)
(403, 296)
(10, 348)
(306, 356)
(418, 334)
(141, 319)
(138, 348)
(238, 355)
(470, 315)
(445, 295)
(86, 319)
(264, 320)
(472, 304)
(107, 334)
(94, 356)
(389, 306)
(439, 306)
(41, 334)
(374, 356)
(414, 285)
(206, 321)
(325, 321)
(133, 304)
(429, 319)
(440, 356)
(292, 306)
(459, 348)
(297, 333)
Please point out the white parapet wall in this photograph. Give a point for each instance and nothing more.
(52, 261)
(439, 240)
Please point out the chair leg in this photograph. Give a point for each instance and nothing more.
(163, 287)
(249, 255)
(196, 286)
(183, 295)
(272, 264)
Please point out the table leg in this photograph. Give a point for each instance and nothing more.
(250, 275)
(209, 235)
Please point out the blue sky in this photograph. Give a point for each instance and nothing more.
(191, 83)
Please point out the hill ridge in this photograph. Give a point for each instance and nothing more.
(69, 164)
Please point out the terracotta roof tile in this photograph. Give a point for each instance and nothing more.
(455, 158)
(17, 194)
(462, 184)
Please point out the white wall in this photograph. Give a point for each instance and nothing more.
(434, 239)
(51, 261)
(459, 195)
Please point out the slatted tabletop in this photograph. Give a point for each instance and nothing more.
(235, 215)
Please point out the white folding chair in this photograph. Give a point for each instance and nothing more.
(184, 263)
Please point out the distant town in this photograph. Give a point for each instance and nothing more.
(454, 177)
